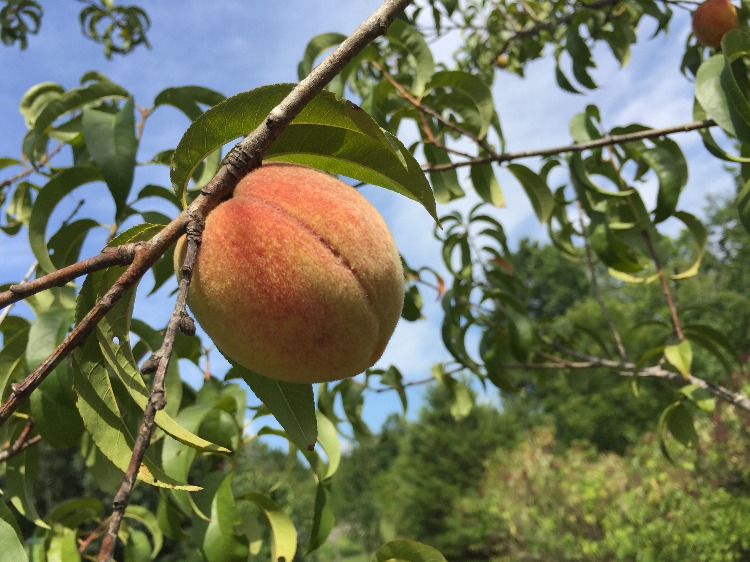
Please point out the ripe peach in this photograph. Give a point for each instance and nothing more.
(712, 19)
(297, 276)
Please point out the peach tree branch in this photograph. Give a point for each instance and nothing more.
(117, 255)
(608, 140)
(157, 363)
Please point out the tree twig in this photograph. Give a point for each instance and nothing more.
(609, 140)
(21, 443)
(84, 543)
(664, 286)
(629, 369)
(117, 255)
(28, 171)
(425, 110)
(7, 307)
(553, 23)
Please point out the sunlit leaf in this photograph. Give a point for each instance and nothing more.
(221, 543)
(330, 134)
(283, 532)
(680, 356)
(10, 543)
(407, 551)
(148, 520)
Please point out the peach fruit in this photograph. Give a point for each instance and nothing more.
(297, 276)
(712, 19)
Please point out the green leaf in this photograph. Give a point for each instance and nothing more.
(474, 88)
(680, 356)
(20, 471)
(329, 440)
(71, 100)
(743, 205)
(63, 546)
(53, 402)
(106, 475)
(615, 253)
(583, 126)
(111, 142)
(54, 191)
(562, 80)
(416, 53)
(393, 378)
(67, 242)
(6, 162)
(462, 402)
(680, 425)
(104, 419)
(18, 210)
(324, 518)
(536, 189)
(521, 332)
(113, 334)
(352, 399)
(317, 46)
(292, 404)
(188, 99)
(486, 184)
(76, 511)
(175, 458)
(713, 341)
(330, 134)
(170, 518)
(10, 543)
(150, 522)
(583, 183)
(36, 98)
(667, 160)
(6, 515)
(412, 309)
(735, 47)
(700, 397)
(700, 235)
(407, 551)
(445, 183)
(283, 532)
(13, 356)
(137, 547)
(712, 93)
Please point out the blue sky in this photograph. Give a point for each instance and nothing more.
(235, 45)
